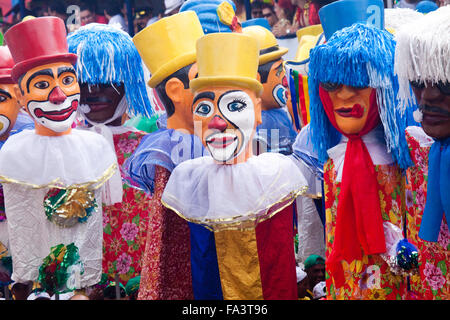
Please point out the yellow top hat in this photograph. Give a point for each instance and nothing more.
(307, 39)
(227, 59)
(268, 46)
(168, 44)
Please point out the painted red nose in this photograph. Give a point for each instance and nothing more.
(217, 123)
(57, 96)
(284, 82)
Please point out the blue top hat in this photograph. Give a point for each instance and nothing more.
(257, 22)
(340, 14)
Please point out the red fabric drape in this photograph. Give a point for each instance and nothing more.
(359, 223)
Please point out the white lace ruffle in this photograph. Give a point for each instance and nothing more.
(76, 158)
(225, 196)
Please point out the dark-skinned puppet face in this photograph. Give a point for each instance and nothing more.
(427, 41)
(100, 103)
(227, 99)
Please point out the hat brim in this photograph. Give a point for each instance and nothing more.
(271, 56)
(5, 76)
(171, 67)
(22, 67)
(217, 81)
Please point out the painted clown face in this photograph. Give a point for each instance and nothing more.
(9, 109)
(350, 106)
(274, 81)
(228, 117)
(50, 93)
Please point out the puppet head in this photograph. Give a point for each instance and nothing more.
(110, 74)
(271, 70)
(422, 62)
(167, 47)
(226, 95)
(352, 87)
(9, 107)
(47, 83)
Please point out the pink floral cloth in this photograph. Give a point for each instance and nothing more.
(125, 224)
(434, 262)
(166, 272)
(371, 277)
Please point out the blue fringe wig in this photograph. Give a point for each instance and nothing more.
(358, 56)
(107, 55)
(206, 11)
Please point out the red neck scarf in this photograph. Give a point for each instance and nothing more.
(359, 223)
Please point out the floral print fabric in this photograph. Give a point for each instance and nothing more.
(434, 262)
(369, 278)
(125, 224)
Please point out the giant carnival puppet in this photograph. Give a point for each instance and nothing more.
(112, 86)
(276, 132)
(422, 63)
(12, 121)
(358, 132)
(244, 199)
(52, 175)
(167, 47)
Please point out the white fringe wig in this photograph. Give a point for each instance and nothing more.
(422, 52)
(395, 18)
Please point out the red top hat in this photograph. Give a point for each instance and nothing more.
(6, 65)
(37, 41)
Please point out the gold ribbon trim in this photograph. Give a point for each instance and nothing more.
(250, 219)
(56, 183)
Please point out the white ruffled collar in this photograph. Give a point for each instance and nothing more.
(233, 196)
(79, 158)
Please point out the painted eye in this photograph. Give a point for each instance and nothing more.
(67, 80)
(42, 85)
(236, 106)
(203, 109)
(330, 86)
(3, 98)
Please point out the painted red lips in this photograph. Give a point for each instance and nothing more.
(222, 142)
(357, 111)
(60, 115)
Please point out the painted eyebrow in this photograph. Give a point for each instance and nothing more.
(6, 93)
(225, 93)
(44, 72)
(202, 95)
(62, 70)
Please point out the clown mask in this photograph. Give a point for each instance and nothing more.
(274, 81)
(50, 93)
(9, 109)
(348, 107)
(228, 117)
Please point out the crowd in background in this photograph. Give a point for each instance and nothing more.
(284, 16)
